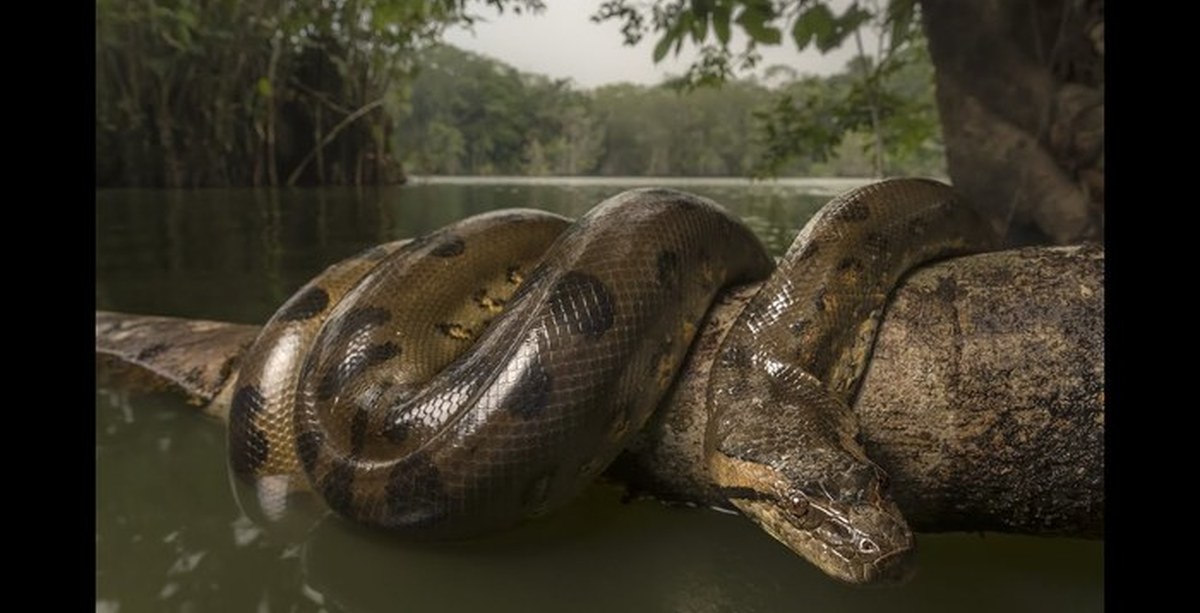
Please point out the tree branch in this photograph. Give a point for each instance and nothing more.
(349, 119)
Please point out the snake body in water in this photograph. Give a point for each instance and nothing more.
(485, 373)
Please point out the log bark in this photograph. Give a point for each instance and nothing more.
(983, 400)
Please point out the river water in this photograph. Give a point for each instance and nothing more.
(170, 537)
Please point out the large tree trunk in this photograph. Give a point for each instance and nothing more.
(1020, 90)
(984, 399)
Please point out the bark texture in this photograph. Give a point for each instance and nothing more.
(1020, 91)
(984, 398)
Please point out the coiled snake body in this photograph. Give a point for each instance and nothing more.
(485, 373)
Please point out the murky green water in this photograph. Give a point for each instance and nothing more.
(170, 537)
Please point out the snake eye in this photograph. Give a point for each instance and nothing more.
(868, 546)
(799, 506)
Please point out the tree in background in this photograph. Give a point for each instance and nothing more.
(267, 92)
(1020, 90)
(474, 115)
(880, 95)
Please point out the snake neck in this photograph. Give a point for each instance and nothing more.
(781, 439)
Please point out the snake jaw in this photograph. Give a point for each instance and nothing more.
(853, 534)
(827, 537)
(881, 555)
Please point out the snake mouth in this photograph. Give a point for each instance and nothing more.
(867, 545)
(850, 530)
(894, 568)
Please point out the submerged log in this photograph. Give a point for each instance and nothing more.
(983, 400)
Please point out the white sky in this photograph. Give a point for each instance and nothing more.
(562, 43)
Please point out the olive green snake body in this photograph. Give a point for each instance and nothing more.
(485, 373)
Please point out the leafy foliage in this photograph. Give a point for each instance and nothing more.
(219, 92)
(274, 92)
(473, 115)
(799, 123)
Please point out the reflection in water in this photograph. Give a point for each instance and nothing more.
(170, 536)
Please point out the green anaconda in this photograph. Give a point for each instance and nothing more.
(485, 373)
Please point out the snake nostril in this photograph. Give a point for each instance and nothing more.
(868, 546)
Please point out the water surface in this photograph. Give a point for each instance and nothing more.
(170, 537)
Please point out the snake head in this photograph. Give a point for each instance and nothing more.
(861, 543)
(843, 523)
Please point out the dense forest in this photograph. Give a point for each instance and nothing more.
(196, 93)
(473, 115)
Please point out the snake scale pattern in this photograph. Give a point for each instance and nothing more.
(485, 373)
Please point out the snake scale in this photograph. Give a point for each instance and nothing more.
(485, 373)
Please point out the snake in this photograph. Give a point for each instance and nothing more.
(483, 374)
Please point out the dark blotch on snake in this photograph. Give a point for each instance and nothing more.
(735, 356)
(397, 432)
(819, 301)
(310, 303)
(798, 327)
(336, 488)
(581, 303)
(876, 242)
(359, 318)
(308, 445)
(415, 496)
(355, 363)
(668, 269)
(537, 491)
(382, 352)
(854, 210)
(850, 263)
(531, 393)
(358, 430)
(916, 227)
(248, 448)
(807, 251)
(453, 246)
(679, 200)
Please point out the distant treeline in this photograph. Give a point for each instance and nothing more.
(193, 93)
(472, 115)
(196, 93)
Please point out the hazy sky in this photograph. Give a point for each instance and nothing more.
(562, 43)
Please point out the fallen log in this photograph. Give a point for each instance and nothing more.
(983, 400)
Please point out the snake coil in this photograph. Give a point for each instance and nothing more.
(485, 373)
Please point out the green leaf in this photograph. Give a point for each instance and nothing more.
(841, 27)
(852, 19)
(900, 15)
(753, 21)
(664, 43)
(264, 87)
(816, 22)
(720, 19)
(699, 29)
(770, 36)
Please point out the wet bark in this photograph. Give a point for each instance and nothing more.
(195, 358)
(984, 398)
(1020, 91)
